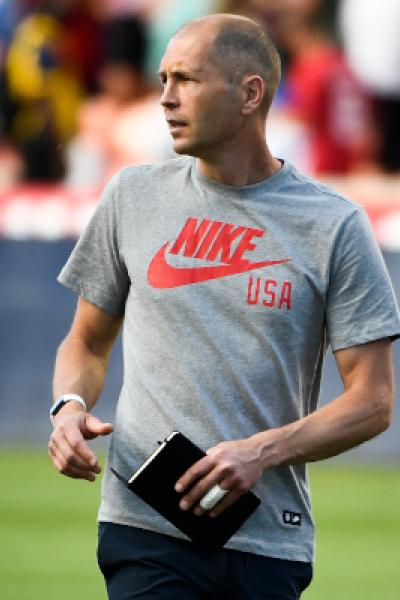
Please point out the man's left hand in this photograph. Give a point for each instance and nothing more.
(234, 466)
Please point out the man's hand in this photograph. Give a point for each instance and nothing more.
(68, 450)
(81, 367)
(234, 466)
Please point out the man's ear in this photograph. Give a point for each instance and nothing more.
(254, 89)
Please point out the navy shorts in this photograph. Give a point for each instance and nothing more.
(137, 563)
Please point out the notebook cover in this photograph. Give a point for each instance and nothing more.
(154, 483)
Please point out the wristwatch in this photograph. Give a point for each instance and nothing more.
(62, 400)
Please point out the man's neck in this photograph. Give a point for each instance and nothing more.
(239, 170)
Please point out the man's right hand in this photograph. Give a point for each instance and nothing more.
(68, 449)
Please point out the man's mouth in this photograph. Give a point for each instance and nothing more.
(175, 124)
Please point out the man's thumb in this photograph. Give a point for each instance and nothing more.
(95, 427)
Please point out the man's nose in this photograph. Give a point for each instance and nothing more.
(169, 97)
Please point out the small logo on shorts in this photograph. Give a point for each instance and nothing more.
(291, 518)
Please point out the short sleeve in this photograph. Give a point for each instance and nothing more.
(95, 269)
(361, 305)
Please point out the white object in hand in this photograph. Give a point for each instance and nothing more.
(213, 496)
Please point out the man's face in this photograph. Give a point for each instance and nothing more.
(202, 108)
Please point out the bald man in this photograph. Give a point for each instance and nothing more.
(231, 272)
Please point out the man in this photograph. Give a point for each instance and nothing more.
(231, 272)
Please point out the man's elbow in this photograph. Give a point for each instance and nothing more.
(382, 409)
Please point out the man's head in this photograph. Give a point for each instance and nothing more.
(241, 49)
(219, 73)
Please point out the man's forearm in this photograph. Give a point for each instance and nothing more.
(349, 420)
(79, 370)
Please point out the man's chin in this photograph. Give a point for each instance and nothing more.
(180, 147)
(180, 150)
(185, 147)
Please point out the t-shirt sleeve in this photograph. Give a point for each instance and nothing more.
(361, 304)
(95, 270)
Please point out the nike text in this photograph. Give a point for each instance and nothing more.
(207, 241)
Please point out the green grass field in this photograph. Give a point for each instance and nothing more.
(48, 532)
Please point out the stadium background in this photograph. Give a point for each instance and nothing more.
(73, 71)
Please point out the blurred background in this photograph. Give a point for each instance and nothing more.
(79, 100)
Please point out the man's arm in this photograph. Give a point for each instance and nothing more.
(361, 412)
(81, 366)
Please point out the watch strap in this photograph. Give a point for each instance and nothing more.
(62, 400)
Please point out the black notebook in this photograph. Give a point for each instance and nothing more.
(154, 483)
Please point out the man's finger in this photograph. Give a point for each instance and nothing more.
(93, 427)
(68, 470)
(210, 499)
(76, 473)
(54, 458)
(67, 456)
(199, 469)
(76, 442)
(197, 492)
(227, 501)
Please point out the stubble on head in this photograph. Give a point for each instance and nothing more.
(239, 47)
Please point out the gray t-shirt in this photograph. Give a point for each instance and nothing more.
(230, 297)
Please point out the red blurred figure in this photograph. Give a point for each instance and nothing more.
(323, 93)
(83, 21)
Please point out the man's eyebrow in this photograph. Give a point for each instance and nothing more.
(181, 71)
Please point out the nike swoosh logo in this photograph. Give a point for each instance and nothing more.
(162, 275)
